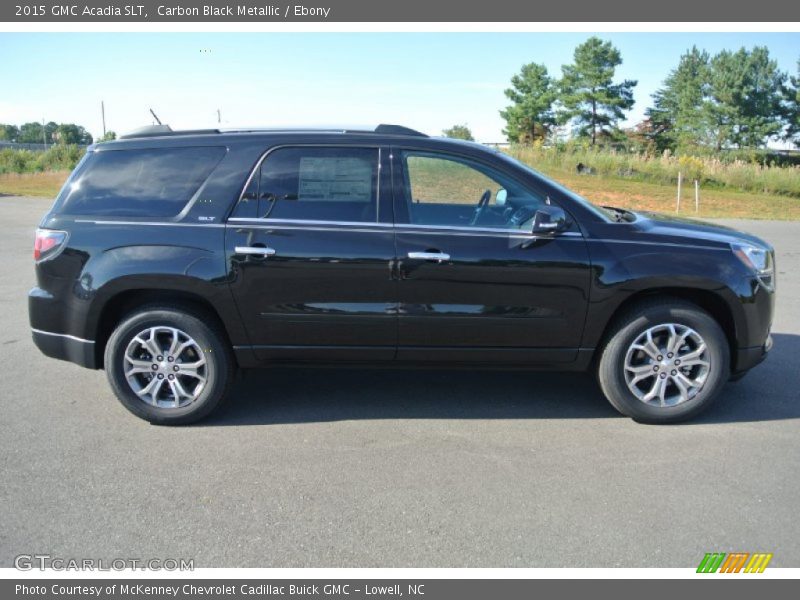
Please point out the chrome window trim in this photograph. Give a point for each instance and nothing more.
(62, 335)
(152, 223)
(282, 146)
(399, 228)
(278, 222)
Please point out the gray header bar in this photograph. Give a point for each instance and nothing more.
(181, 11)
(729, 586)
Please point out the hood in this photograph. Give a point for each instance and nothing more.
(686, 229)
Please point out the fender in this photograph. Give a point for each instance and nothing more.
(622, 271)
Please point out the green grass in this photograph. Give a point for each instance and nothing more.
(59, 157)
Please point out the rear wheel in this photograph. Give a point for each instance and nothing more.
(665, 361)
(168, 366)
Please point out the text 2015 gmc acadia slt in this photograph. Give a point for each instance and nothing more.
(171, 258)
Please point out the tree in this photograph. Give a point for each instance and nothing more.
(64, 133)
(9, 133)
(31, 133)
(533, 93)
(69, 133)
(676, 116)
(792, 109)
(589, 96)
(109, 135)
(50, 129)
(458, 132)
(745, 94)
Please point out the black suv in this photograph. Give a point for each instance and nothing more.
(172, 258)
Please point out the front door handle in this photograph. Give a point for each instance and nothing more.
(255, 250)
(438, 257)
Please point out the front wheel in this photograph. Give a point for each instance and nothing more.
(168, 366)
(665, 361)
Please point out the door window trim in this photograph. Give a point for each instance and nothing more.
(257, 168)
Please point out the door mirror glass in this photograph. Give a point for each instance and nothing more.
(549, 219)
(501, 197)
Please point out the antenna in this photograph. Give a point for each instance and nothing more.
(155, 116)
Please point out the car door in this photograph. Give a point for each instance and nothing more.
(474, 284)
(310, 248)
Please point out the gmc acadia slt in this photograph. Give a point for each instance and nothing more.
(171, 258)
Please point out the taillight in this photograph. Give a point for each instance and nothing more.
(48, 242)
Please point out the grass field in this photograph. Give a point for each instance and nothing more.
(598, 188)
(45, 184)
(637, 195)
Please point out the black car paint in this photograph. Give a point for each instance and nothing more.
(339, 292)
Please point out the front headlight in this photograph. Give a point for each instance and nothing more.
(759, 260)
(755, 257)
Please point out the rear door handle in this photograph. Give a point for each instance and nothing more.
(255, 250)
(433, 256)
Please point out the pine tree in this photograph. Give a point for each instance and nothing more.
(590, 97)
(792, 109)
(744, 107)
(676, 115)
(531, 115)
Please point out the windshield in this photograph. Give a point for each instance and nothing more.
(602, 212)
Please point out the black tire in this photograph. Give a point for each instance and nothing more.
(217, 352)
(633, 323)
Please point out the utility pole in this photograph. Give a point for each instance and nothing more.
(103, 113)
(44, 135)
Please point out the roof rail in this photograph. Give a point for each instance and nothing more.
(159, 130)
(166, 130)
(398, 130)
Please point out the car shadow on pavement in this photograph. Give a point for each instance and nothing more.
(300, 395)
(770, 392)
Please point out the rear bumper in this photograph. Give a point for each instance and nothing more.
(49, 320)
(65, 347)
(747, 358)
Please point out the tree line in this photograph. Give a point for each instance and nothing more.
(49, 133)
(732, 100)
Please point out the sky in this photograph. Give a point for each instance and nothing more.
(427, 81)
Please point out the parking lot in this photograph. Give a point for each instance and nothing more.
(383, 468)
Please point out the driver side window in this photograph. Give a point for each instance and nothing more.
(450, 191)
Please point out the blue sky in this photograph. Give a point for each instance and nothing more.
(423, 80)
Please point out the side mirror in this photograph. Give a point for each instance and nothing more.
(501, 197)
(549, 219)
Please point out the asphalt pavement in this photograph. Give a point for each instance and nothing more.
(382, 468)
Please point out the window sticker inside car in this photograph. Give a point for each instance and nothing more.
(335, 178)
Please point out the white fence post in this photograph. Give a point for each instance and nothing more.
(678, 203)
(696, 195)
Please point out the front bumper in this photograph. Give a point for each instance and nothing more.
(747, 358)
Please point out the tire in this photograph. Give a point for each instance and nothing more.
(622, 362)
(201, 386)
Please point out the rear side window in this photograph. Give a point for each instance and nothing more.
(313, 183)
(153, 182)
